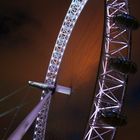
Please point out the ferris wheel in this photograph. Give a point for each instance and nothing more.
(115, 65)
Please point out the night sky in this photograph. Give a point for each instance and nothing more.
(25, 50)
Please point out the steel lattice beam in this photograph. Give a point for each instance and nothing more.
(111, 84)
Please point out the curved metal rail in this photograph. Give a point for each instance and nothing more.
(70, 19)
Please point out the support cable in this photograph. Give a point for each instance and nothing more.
(13, 93)
(16, 109)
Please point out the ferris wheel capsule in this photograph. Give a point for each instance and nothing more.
(113, 118)
(126, 21)
(122, 65)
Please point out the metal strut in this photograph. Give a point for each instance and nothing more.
(111, 84)
(70, 19)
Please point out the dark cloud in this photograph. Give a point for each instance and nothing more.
(11, 20)
(15, 26)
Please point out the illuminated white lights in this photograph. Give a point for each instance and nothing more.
(37, 119)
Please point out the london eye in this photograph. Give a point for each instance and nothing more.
(115, 65)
